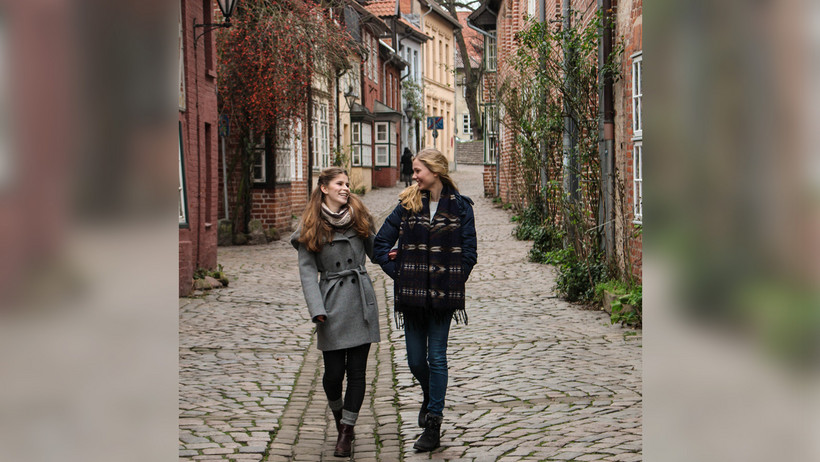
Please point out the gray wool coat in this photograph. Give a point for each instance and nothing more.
(336, 284)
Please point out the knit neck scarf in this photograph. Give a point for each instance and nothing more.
(340, 219)
(431, 276)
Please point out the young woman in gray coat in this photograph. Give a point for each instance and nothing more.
(334, 236)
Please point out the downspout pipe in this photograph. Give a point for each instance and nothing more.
(310, 140)
(542, 18)
(486, 138)
(606, 135)
(570, 130)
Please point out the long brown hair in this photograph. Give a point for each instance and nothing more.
(437, 163)
(315, 230)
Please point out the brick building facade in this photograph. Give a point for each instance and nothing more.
(629, 131)
(501, 20)
(198, 144)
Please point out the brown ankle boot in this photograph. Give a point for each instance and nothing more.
(343, 444)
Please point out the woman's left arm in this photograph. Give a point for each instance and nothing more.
(469, 241)
(368, 246)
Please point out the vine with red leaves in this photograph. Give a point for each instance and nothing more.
(267, 61)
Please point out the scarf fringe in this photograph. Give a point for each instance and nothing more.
(401, 318)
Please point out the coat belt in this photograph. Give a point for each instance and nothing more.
(369, 313)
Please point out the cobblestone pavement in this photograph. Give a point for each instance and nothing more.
(532, 377)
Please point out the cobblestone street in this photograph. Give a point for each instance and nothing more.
(532, 377)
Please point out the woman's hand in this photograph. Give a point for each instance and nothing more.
(392, 254)
(320, 319)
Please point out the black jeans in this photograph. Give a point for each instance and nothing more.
(352, 361)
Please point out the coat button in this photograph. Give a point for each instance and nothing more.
(350, 260)
(353, 280)
(331, 244)
(338, 264)
(341, 283)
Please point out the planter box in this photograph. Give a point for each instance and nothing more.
(609, 297)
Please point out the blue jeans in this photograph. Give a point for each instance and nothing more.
(427, 357)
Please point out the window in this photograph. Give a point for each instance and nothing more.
(356, 141)
(385, 144)
(367, 149)
(440, 63)
(531, 7)
(637, 178)
(491, 141)
(258, 167)
(362, 144)
(637, 94)
(416, 65)
(374, 62)
(284, 152)
(637, 135)
(490, 53)
(465, 124)
(183, 203)
(321, 136)
(390, 91)
(447, 64)
(181, 64)
(207, 18)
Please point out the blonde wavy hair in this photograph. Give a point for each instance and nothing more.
(437, 163)
(315, 230)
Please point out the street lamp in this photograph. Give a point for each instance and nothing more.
(226, 7)
(349, 97)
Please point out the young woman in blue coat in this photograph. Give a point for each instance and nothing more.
(435, 230)
(334, 236)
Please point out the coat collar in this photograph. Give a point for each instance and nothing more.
(345, 236)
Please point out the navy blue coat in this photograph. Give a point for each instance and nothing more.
(388, 235)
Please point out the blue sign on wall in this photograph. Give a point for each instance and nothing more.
(435, 123)
(224, 125)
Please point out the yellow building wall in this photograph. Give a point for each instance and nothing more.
(439, 83)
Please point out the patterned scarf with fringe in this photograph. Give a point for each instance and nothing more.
(431, 277)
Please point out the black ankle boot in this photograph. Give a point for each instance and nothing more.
(423, 411)
(431, 438)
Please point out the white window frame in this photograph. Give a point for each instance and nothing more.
(367, 145)
(531, 8)
(637, 136)
(415, 65)
(637, 95)
(491, 55)
(321, 135)
(362, 144)
(356, 144)
(385, 144)
(284, 154)
(637, 180)
(374, 53)
(466, 128)
(491, 151)
(183, 202)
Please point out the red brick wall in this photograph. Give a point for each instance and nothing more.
(629, 29)
(273, 206)
(489, 180)
(386, 177)
(197, 242)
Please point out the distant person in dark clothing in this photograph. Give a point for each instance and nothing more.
(407, 167)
